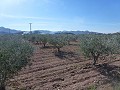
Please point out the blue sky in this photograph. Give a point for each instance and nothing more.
(93, 15)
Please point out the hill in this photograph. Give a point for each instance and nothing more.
(63, 32)
(77, 32)
(4, 30)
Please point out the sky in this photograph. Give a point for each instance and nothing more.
(65, 15)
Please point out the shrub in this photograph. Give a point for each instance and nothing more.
(14, 54)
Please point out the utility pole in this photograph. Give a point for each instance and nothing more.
(30, 28)
(9, 31)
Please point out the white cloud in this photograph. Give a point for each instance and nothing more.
(24, 17)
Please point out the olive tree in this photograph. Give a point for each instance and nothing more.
(70, 37)
(98, 45)
(14, 54)
(30, 37)
(58, 42)
(44, 39)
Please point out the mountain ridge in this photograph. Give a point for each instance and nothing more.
(4, 30)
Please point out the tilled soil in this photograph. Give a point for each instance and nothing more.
(68, 70)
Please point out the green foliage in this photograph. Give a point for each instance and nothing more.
(98, 45)
(14, 54)
(69, 38)
(31, 37)
(116, 87)
(44, 39)
(58, 41)
(93, 45)
(38, 38)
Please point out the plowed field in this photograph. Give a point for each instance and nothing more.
(66, 71)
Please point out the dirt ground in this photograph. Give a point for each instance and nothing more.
(69, 70)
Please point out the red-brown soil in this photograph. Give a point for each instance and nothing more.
(70, 71)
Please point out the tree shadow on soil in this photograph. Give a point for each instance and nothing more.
(66, 55)
(112, 72)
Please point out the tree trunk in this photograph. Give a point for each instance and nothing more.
(68, 42)
(95, 58)
(58, 49)
(44, 45)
